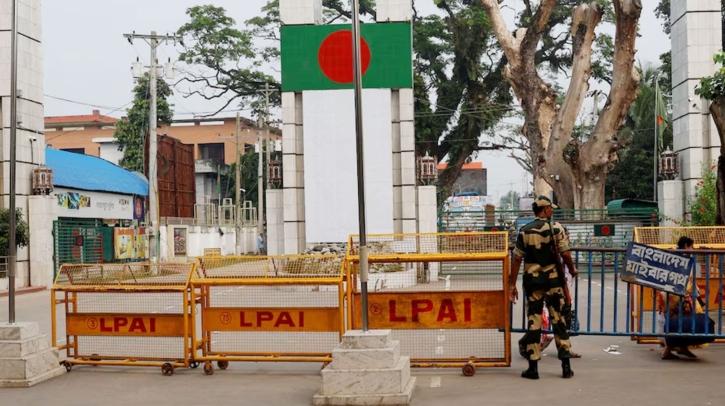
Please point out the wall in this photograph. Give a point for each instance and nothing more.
(199, 238)
(331, 209)
(109, 151)
(102, 205)
(43, 211)
(696, 37)
(30, 108)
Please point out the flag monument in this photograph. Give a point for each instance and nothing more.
(328, 81)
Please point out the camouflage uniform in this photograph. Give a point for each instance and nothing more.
(541, 281)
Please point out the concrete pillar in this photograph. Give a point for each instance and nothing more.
(670, 199)
(275, 221)
(300, 12)
(42, 213)
(26, 357)
(696, 37)
(394, 10)
(293, 173)
(30, 134)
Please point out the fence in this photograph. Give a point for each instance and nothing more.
(594, 228)
(276, 308)
(124, 314)
(606, 306)
(707, 275)
(450, 320)
(80, 242)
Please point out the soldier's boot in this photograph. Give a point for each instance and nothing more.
(532, 372)
(566, 371)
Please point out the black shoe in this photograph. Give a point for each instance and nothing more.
(532, 372)
(566, 371)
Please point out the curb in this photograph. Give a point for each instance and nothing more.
(23, 291)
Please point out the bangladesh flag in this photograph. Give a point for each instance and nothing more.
(319, 57)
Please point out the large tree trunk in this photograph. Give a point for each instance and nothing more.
(717, 110)
(576, 171)
(599, 153)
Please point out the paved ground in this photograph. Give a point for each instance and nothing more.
(636, 376)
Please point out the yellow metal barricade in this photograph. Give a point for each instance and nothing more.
(442, 295)
(275, 308)
(666, 238)
(124, 314)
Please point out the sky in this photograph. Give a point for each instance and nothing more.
(87, 60)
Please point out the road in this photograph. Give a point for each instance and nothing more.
(636, 375)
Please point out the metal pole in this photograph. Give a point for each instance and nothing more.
(357, 80)
(654, 147)
(267, 142)
(260, 181)
(238, 193)
(12, 252)
(153, 151)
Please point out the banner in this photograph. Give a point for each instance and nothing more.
(123, 242)
(658, 269)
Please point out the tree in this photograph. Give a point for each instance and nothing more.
(632, 175)
(509, 201)
(131, 132)
(21, 231)
(575, 168)
(712, 88)
(223, 62)
(250, 176)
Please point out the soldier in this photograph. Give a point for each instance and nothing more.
(534, 246)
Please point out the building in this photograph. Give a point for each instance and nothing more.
(473, 178)
(213, 141)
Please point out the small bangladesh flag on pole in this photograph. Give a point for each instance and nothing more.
(320, 57)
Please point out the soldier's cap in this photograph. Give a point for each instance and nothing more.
(543, 201)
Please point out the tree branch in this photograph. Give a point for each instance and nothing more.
(508, 42)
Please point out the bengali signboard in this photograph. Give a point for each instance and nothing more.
(658, 269)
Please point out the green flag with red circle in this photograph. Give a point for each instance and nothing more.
(320, 57)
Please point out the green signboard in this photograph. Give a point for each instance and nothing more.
(319, 57)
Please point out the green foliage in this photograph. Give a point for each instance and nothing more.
(704, 204)
(131, 132)
(21, 231)
(250, 176)
(632, 175)
(510, 201)
(712, 87)
(228, 64)
(662, 11)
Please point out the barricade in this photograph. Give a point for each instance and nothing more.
(604, 305)
(442, 295)
(709, 244)
(124, 314)
(275, 308)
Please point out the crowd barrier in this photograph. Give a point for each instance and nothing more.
(275, 308)
(709, 244)
(124, 314)
(442, 295)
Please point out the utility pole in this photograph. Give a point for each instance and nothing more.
(12, 251)
(238, 176)
(656, 139)
(153, 40)
(264, 166)
(260, 182)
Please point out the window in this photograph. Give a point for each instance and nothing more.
(211, 151)
(75, 150)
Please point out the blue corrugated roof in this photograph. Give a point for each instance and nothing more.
(87, 172)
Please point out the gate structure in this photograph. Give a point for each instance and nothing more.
(124, 314)
(276, 308)
(460, 319)
(78, 242)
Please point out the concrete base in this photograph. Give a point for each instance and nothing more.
(26, 357)
(366, 369)
(396, 399)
